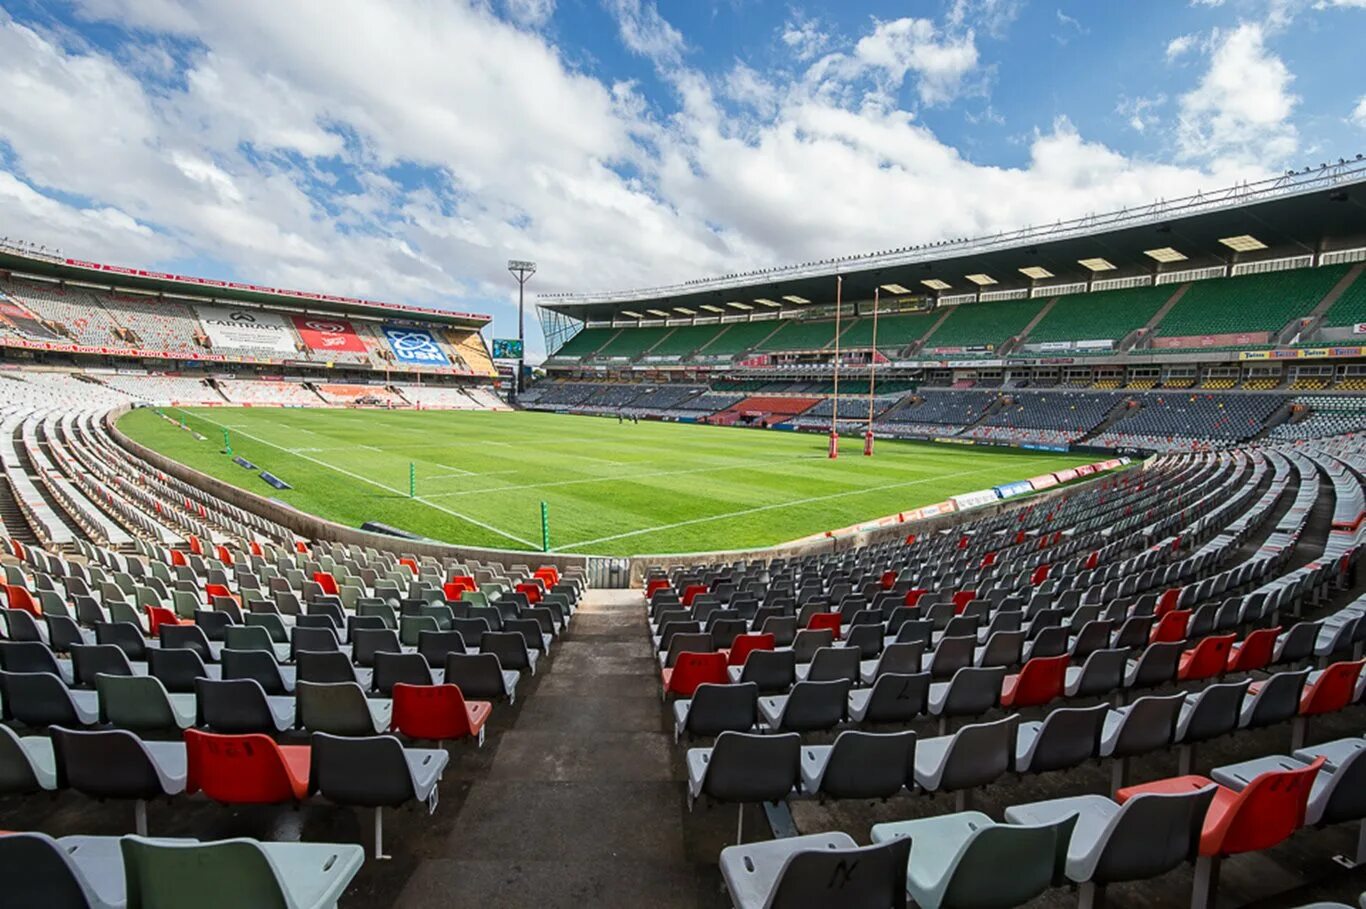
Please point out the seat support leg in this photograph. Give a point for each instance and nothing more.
(1359, 859)
(379, 836)
(1206, 882)
(1090, 896)
(961, 800)
(1119, 774)
(140, 817)
(740, 825)
(1185, 759)
(1298, 728)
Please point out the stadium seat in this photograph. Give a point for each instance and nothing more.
(438, 712)
(816, 870)
(246, 769)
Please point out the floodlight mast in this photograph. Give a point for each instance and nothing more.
(522, 270)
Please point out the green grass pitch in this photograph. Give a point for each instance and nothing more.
(611, 489)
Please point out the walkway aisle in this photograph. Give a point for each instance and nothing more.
(580, 804)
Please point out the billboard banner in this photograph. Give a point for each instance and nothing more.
(324, 334)
(246, 329)
(1225, 340)
(415, 346)
(507, 349)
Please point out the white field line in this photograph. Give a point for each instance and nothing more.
(774, 506)
(341, 470)
(618, 478)
(456, 471)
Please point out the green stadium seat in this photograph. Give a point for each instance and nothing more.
(1107, 315)
(1350, 308)
(985, 324)
(1250, 303)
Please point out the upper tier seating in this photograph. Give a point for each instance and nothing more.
(1106, 315)
(894, 332)
(1249, 303)
(75, 309)
(740, 337)
(584, 343)
(685, 339)
(469, 347)
(1350, 308)
(802, 334)
(632, 342)
(984, 324)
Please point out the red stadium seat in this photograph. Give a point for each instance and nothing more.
(19, 598)
(821, 621)
(1207, 659)
(246, 769)
(1333, 690)
(745, 644)
(438, 712)
(1039, 682)
(328, 583)
(656, 584)
(914, 594)
(410, 563)
(692, 592)
(532, 592)
(1253, 652)
(158, 616)
(1167, 601)
(962, 598)
(1171, 628)
(693, 669)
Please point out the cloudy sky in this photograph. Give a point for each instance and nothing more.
(404, 150)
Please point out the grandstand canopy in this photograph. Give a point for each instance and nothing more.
(1304, 213)
(30, 262)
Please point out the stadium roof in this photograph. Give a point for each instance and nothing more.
(36, 262)
(1316, 210)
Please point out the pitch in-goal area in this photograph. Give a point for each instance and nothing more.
(610, 488)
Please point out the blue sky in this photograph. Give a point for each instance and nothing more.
(405, 150)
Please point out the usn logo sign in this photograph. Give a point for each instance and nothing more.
(414, 345)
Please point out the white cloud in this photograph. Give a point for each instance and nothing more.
(405, 150)
(530, 12)
(1359, 112)
(1239, 112)
(993, 17)
(1180, 45)
(915, 46)
(804, 37)
(1140, 113)
(644, 31)
(1343, 4)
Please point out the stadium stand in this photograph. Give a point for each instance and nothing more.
(984, 325)
(801, 334)
(585, 343)
(1262, 303)
(738, 338)
(1101, 316)
(1349, 309)
(894, 332)
(631, 343)
(259, 391)
(684, 340)
(337, 393)
(1322, 416)
(1177, 421)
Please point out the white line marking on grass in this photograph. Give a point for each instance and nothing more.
(618, 478)
(341, 470)
(456, 471)
(774, 506)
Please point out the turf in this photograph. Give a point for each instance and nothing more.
(611, 489)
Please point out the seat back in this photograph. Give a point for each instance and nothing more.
(1068, 737)
(1149, 724)
(38, 699)
(434, 645)
(336, 707)
(105, 763)
(234, 706)
(89, 660)
(1157, 664)
(162, 873)
(238, 769)
(951, 655)
(774, 671)
(1208, 658)
(753, 768)
(1345, 798)
(1214, 712)
(1278, 699)
(37, 871)
(979, 754)
(833, 663)
(898, 697)
(1033, 853)
(326, 666)
(717, 708)
(370, 771)
(27, 656)
(973, 691)
(426, 711)
(862, 876)
(869, 765)
(745, 644)
(510, 648)
(693, 669)
(1040, 681)
(1333, 690)
(1270, 809)
(391, 668)
(1152, 834)
(17, 776)
(1256, 652)
(816, 705)
(479, 675)
(189, 637)
(137, 702)
(176, 669)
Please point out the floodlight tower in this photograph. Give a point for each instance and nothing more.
(835, 408)
(522, 270)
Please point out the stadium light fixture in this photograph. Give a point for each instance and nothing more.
(981, 280)
(685, 310)
(522, 270)
(632, 313)
(898, 289)
(658, 312)
(1037, 272)
(1243, 243)
(712, 307)
(765, 301)
(793, 298)
(1097, 264)
(1164, 255)
(738, 305)
(935, 284)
